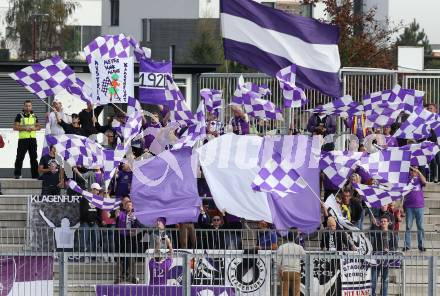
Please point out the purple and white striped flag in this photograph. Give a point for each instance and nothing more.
(46, 78)
(100, 202)
(344, 107)
(421, 153)
(77, 150)
(213, 99)
(338, 165)
(418, 125)
(388, 166)
(269, 39)
(195, 132)
(112, 46)
(294, 97)
(249, 95)
(82, 90)
(378, 196)
(382, 108)
(278, 176)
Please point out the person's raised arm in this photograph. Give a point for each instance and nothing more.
(50, 223)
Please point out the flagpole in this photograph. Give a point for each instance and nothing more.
(313, 191)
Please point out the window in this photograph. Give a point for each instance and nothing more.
(114, 12)
(270, 4)
(146, 36)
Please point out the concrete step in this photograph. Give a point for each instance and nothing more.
(432, 203)
(18, 215)
(22, 191)
(409, 289)
(432, 195)
(13, 224)
(20, 183)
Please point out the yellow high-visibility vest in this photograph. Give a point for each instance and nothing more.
(31, 120)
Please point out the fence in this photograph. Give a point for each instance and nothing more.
(355, 81)
(107, 261)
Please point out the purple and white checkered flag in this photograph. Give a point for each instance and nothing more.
(421, 153)
(195, 132)
(112, 46)
(77, 150)
(248, 89)
(180, 112)
(100, 202)
(388, 166)
(344, 107)
(46, 78)
(418, 125)
(262, 109)
(338, 165)
(111, 161)
(278, 176)
(82, 90)
(378, 196)
(213, 99)
(382, 108)
(172, 91)
(294, 97)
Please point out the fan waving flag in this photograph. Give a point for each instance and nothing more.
(344, 107)
(100, 202)
(46, 78)
(338, 165)
(378, 196)
(294, 97)
(268, 39)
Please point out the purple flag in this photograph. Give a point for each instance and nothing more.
(195, 132)
(111, 161)
(25, 273)
(344, 107)
(249, 95)
(294, 97)
(100, 202)
(418, 125)
(268, 39)
(152, 75)
(422, 153)
(165, 186)
(388, 166)
(338, 165)
(82, 90)
(378, 196)
(112, 46)
(213, 99)
(46, 78)
(301, 210)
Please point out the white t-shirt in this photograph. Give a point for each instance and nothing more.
(55, 128)
(289, 256)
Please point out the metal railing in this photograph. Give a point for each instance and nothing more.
(103, 261)
(356, 82)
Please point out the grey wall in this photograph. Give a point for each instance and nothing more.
(178, 32)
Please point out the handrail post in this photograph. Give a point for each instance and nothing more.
(186, 282)
(63, 273)
(432, 276)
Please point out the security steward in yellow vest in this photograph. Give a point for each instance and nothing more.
(26, 123)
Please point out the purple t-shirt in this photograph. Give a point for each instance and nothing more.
(415, 198)
(123, 183)
(159, 271)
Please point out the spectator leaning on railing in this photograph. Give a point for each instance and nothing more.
(414, 204)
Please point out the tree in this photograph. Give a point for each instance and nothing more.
(412, 36)
(364, 41)
(207, 47)
(50, 18)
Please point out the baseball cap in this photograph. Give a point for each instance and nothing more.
(95, 186)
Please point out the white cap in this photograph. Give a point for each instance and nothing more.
(95, 186)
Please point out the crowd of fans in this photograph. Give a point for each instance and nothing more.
(386, 220)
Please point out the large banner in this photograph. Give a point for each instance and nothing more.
(152, 81)
(129, 290)
(355, 276)
(112, 80)
(59, 212)
(249, 274)
(26, 275)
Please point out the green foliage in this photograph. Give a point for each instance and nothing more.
(413, 36)
(50, 17)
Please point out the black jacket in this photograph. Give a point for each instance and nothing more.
(87, 212)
